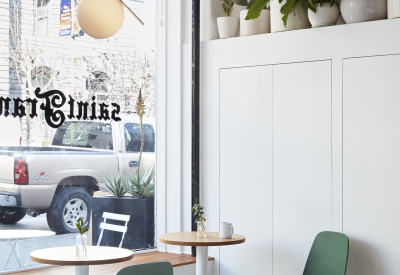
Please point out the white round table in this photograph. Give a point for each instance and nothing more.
(13, 236)
(95, 255)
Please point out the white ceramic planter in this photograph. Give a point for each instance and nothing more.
(294, 22)
(325, 15)
(228, 26)
(393, 8)
(355, 11)
(256, 26)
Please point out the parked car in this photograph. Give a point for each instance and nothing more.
(60, 180)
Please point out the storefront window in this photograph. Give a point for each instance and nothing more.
(69, 124)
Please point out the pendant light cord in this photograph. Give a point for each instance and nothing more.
(131, 11)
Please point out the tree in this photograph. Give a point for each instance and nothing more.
(33, 63)
(119, 78)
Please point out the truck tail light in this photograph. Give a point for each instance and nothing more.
(20, 171)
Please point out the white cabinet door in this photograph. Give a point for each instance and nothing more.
(246, 168)
(371, 164)
(301, 161)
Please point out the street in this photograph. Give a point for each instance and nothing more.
(27, 246)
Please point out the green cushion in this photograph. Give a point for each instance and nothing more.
(160, 268)
(328, 254)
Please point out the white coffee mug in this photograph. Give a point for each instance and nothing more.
(225, 230)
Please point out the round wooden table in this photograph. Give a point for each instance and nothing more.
(95, 255)
(202, 244)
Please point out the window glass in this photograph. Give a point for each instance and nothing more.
(69, 127)
(133, 138)
(84, 134)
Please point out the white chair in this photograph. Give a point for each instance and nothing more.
(113, 227)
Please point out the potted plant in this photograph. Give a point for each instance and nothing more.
(228, 26)
(323, 12)
(197, 210)
(255, 26)
(139, 205)
(81, 238)
(286, 15)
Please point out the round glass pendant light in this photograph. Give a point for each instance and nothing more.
(100, 18)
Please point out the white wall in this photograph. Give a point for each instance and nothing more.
(318, 183)
(334, 144)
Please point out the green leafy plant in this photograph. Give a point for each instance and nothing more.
(244, 3)
(141, 187)
(227, 7)
(82, 229)
(115, 185)
(286, 9)
(80, 226)
(197, 210)
(312, 4)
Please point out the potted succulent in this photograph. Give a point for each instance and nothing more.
(323, 12)
(131, 194)
(197, 210)
(286, 15)
(228, 26)
(255, 26)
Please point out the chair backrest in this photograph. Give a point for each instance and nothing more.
(160, 268)
(113, 227)
(328, 254)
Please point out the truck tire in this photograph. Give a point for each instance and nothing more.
(68, 205)
(12, 217)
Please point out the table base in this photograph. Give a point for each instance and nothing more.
(201, 260)
(82, 270)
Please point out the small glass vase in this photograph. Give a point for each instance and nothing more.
(81, 244)
(202, 229)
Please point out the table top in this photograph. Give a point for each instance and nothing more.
(191, 239)
(95, 255)
(24, 234)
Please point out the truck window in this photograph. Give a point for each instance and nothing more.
(84, 134)
(132, 138)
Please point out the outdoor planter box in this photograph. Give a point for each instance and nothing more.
(141, 229)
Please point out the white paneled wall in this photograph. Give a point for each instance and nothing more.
(246, 166)
(371, 161)
(301, 161)
(335, 145)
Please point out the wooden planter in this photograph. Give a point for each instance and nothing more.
(141, 227)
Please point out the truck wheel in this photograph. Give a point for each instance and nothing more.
(12, 217)
(68, 205)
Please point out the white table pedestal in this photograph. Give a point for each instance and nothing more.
(201, 260)
(82, 270)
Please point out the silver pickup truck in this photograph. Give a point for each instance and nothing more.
(60, 180)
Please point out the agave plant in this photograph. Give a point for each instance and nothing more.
(115, 185)
(141, 187)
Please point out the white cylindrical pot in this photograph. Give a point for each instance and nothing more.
(248, 27)
(265, 21)
(228, 26)
(355, 11)
(325, 15)
(393, 8)
(255, 26)
(294, 22)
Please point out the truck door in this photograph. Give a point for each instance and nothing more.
(132, 145)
